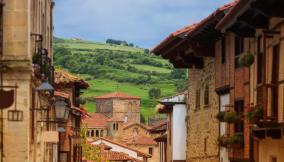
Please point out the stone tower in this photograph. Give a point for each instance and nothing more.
(119, 105)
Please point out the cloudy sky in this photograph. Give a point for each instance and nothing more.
(143, 22)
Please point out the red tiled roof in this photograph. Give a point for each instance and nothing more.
(117, 95)
(191, 28)
(65, 78)
(127, 147)
(172, 36)
(128, 125)
(115, 156)
(61, 94)
(212, 15)
(141, 140)
(162, 127)
(96, 121)
(115, 119)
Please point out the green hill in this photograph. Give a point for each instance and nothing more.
(108, 68)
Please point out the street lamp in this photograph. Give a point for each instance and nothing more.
(45, 86)
(61, 110)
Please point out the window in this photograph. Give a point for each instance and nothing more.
(239, 49)
(92, 133)
(223, 50)
(239, 109)
(197, 100)
(205, 145)
(97, 133)
(206, 95)
(88, 133)
(114, 126)
(260, 60)
(150, 150)
(102, 133)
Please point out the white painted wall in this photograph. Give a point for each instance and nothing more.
(179, 132)
(118, 148)
(224, 100)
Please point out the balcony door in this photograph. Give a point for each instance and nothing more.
(274, 81)
(224, 101)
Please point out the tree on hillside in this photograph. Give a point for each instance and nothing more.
(100, 60)
(154, 93)
(178, 74)
(146, 51)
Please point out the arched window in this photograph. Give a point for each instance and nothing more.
(197, 99)
(114, 127)
(88, 133)
(102, 133)
(206, 95)
(97, 133)
(92, 133)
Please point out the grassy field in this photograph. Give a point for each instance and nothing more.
(108, 81)
(78, 44)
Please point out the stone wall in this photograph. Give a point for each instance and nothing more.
(105, 106)
(23, 139)
(203, 128)
(127, 108)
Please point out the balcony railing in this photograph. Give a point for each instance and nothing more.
(267, 99)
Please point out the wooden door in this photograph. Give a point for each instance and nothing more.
(274, 80)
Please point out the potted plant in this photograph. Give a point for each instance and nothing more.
(222, 141)
(220, 116)
(231, 117)
(236, 140)
(246, 59)
(255, 115)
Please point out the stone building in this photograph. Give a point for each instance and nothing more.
(131, 134)
(119, 105)
(26, 32)
(176, 109)
(68, 87)
(193, 47)
(263, 32)
(97, 125)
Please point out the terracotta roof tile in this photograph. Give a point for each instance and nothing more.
(115, 119)
(190, 28)
(96, 121)
(162, 127)
(115, 156)
(127, 147)
(117, 95)
(61, 94)
(65, 78)
(172, 36)
(141, 140)
(212, 15)
(128, 125)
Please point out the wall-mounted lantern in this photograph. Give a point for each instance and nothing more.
(45, 87)
(61, 110)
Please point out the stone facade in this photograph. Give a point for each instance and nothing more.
(24, 140)
(203, 128)
(123, 107)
